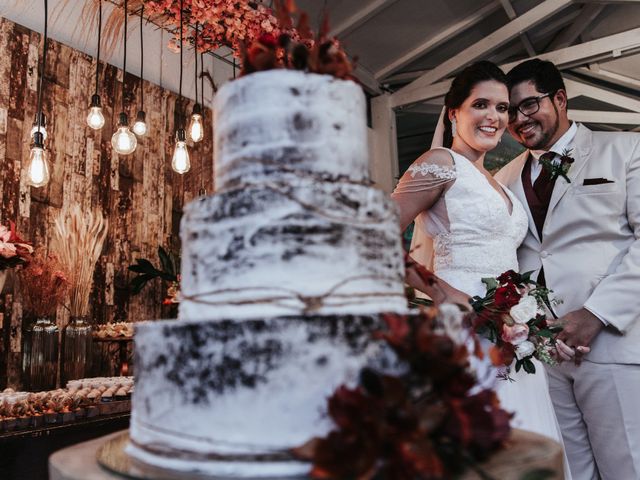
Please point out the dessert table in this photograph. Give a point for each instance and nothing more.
(117, 347)
(527, 452)
(24, 453)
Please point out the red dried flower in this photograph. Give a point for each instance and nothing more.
(420, 425)
(44, 283)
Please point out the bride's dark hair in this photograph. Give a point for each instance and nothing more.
(461, 89)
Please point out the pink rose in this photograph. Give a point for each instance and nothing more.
(5, 234)
(515, 334)
(7, 250)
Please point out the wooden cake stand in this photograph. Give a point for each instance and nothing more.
(526, 453)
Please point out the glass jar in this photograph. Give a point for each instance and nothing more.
(40, 355)
(77, 344)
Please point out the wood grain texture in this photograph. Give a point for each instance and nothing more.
(139, 194)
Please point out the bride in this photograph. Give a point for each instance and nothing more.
(468, 226)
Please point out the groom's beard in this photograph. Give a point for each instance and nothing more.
(545, 141)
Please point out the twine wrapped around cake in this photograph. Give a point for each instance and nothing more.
(283, 189)
(308, 303)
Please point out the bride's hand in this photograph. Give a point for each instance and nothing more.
(459, 298)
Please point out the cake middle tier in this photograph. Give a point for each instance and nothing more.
(277, 249)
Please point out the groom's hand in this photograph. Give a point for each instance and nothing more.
(579, 328)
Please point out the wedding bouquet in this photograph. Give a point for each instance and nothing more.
(13, 250)
(513, 315)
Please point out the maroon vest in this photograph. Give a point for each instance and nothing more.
(538, 195)
(538, 198)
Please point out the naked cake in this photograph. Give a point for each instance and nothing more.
(286, 270)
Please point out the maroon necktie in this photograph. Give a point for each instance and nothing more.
(543, 187)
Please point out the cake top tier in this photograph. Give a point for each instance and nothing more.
(274, 125)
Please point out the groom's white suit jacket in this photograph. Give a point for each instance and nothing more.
(590, 246)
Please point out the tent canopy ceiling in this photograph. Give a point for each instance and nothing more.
(412, 48)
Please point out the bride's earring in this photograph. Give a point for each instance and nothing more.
(453, 128)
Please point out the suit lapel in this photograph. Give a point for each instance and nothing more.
(580, 154)
(518, 189)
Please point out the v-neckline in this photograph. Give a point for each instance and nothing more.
(508, 205)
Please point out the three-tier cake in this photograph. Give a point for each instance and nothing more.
(285, 272)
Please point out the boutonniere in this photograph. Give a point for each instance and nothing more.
(558, 168)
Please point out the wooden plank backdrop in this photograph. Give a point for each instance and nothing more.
(139, 194)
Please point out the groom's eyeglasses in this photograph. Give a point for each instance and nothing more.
(527, 107)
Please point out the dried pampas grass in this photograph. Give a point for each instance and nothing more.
(78, 242)
(114, 14)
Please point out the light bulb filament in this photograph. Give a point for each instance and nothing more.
(180, 161)
(95, 119)
(38, 170)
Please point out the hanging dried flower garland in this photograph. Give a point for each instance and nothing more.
(224, 23)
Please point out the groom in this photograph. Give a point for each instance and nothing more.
(582, 189)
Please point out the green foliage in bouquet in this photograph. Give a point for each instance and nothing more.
(169, 270)
(513, 316)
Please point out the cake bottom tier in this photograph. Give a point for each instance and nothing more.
(231, 398)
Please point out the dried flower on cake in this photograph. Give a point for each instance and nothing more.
(422, 424)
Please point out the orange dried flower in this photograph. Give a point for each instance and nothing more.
(44, 284)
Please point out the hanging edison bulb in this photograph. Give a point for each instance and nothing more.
(124, 141)
(43, 124)
(38, 166)
(140, 127)
(95, 119)
(196, 131)
(180, 161)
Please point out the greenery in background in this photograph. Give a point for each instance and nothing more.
(169, 270)
(539, 474)
(507, 150)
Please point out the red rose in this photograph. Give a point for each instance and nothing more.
(509, 277)
(566, 159)
(507, 296)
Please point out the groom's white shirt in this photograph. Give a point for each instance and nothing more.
(591, 238)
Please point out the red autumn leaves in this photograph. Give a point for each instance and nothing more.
(423, 424)
(297, 47)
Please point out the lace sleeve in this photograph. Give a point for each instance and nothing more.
(427, 173)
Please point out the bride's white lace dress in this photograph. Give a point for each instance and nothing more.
(470, 234)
